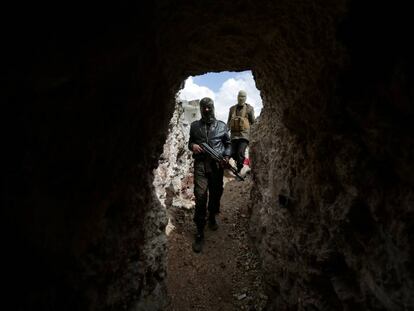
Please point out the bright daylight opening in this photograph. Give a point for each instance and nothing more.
(207, 231)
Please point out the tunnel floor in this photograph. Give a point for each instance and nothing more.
(225, 275)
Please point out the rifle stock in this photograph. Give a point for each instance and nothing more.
(218, 157)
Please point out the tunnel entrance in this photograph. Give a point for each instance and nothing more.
(226, 275)
(88, 99)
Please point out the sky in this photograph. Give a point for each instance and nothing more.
(223, 87)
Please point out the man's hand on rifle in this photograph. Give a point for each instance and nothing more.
(197, 149)
(225, 162)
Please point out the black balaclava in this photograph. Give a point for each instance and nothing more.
(207, 116)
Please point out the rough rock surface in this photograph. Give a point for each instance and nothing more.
(331, 207)
(173, 178)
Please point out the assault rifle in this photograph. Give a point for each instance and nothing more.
(219, 158)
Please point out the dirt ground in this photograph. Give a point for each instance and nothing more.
(225, 275)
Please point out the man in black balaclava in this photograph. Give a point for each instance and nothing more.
(208, 174)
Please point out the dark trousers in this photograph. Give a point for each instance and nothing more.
(238, 148)
(208, 187)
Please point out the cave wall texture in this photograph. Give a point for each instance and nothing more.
(87, 93)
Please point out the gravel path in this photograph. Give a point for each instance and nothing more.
(225, 275)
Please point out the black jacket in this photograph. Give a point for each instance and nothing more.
(218, 137)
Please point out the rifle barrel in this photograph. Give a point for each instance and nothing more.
(218, 157)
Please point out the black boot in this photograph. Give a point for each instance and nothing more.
(198, 242)
(212, 223)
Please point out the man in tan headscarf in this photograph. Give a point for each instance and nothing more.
(241, 117)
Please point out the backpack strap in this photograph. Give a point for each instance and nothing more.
(243, 112)
(233, 115)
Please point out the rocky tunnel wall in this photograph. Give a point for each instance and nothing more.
(332, 160)
(87, 104)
